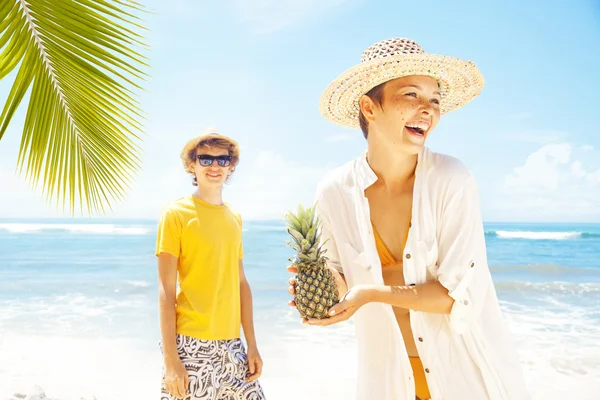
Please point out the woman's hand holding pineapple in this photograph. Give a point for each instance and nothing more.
(317, 288)
(354, 299)
(350, 301)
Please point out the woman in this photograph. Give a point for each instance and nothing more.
(404, 232)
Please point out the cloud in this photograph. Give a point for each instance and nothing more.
(587, 147)
(577, 169)
(266, 16)
(270, 186)
(264, 187)
(149, 194)
(19, 200)
(551, 185)
(594, 177)
(542, 168)
(154, 191)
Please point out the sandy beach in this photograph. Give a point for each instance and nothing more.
(88, 369)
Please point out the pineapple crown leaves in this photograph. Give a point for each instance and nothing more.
(303, 227)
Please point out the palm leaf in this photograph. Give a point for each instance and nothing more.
(82, 62)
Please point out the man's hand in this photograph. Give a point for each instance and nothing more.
(255, 364)
(176, 379)
(339, 280)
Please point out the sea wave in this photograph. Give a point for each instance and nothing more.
(550, 287)
(266, 228)
(140, 284)
(95, 229)
(545, 269)
(534, 235)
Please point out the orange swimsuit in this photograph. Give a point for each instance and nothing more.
(387, 259)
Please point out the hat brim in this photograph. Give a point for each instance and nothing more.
(460, 82)
(193, 143)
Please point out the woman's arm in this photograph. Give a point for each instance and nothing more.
(429, 297)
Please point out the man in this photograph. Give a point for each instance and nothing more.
(199, 247)
(403, 231)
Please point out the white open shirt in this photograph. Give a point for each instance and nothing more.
(467, 354)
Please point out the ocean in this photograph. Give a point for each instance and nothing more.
(78, 311)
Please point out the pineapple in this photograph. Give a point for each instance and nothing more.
(316, 290)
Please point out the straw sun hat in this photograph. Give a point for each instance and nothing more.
(460, 81)
(212, 136)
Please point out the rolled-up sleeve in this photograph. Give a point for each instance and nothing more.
(462, 259)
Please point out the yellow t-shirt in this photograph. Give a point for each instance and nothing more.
(207, 240)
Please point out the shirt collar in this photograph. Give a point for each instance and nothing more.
(365, 176)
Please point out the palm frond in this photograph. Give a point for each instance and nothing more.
(82, 62)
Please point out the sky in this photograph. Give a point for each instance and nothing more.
(255, 69)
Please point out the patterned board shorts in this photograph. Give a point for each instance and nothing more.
(217, 370)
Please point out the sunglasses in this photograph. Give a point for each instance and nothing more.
(206, 160)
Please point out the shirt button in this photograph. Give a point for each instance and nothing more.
(408, 256)
(466, 302)
(472, 264)
(420, 339)
(427, 370)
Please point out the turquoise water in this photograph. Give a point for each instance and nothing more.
(108, 270)
(74, 279)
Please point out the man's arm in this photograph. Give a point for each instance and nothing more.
(167, 285)
(176, 379)
(255, 362)
(246, 308)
